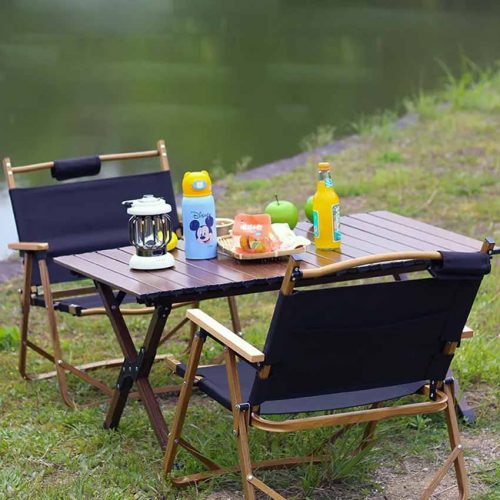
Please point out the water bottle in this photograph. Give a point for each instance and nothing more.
(198, 215)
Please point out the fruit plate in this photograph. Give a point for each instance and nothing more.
(227, 247)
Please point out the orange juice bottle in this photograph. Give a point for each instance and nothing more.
(326, 211)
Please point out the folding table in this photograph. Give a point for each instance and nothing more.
(362, 235)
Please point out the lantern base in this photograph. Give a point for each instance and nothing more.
(151, 263)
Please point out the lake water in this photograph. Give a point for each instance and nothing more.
(220, 80)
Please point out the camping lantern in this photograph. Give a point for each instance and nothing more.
(149, 232)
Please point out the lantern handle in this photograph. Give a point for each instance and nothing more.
(129, 203)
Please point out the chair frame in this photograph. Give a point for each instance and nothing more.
(244, 417)
(34, 253)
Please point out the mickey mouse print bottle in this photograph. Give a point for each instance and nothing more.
(198, 215)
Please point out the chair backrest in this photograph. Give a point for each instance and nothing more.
(83, 216)
(350, 338)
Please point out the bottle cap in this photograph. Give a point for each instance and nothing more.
(324, 165)
(196, 184)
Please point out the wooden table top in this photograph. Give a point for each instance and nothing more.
(362, 234)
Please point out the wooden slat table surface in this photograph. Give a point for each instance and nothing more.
(362, 234)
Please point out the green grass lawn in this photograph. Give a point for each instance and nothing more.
(445, 169)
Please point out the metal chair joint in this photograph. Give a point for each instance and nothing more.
(40, 255)
(202, 334)
(242, 406)
(433, 389)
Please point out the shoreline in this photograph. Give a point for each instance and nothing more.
(10, 268)
(285, 165)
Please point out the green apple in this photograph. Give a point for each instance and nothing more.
(283, 211)
(308, 208)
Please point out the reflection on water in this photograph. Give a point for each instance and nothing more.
(218, 79)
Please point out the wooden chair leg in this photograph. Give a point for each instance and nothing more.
(455, 458)
(367, 438)
(244, 456)
(369, 431)
(240, 428)
(54, 334)
(240, 422)
(192, 326)
(192, 329)
(235, 317)
(25, 314)
(182, 404)
(455, 442)
(249, 481)
(331, 440)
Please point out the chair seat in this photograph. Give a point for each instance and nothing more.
(215, 385)
(76, 305)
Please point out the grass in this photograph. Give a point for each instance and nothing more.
(444, 169)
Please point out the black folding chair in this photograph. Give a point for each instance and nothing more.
(77, 217)
(334, 348)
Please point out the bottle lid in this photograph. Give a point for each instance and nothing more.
(196, 184)
(324, 165)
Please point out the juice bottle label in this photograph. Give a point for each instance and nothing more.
(336, 222)
(316, 223)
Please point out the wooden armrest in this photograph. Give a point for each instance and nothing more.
(29, 246)
(467, 333)
(225, 336)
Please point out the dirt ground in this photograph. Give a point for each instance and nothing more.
(412, 476)
(407, 479)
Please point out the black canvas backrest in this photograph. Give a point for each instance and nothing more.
(83, 216)
(351, 338)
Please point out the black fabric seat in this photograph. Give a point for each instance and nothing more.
(75, 305)
(215, 385)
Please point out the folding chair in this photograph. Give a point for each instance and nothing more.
(334, 348)
(76, 217)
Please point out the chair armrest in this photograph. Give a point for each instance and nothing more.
(29, 246)
(225, 336)
(467, 333)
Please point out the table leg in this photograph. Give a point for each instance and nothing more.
(137, 365)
